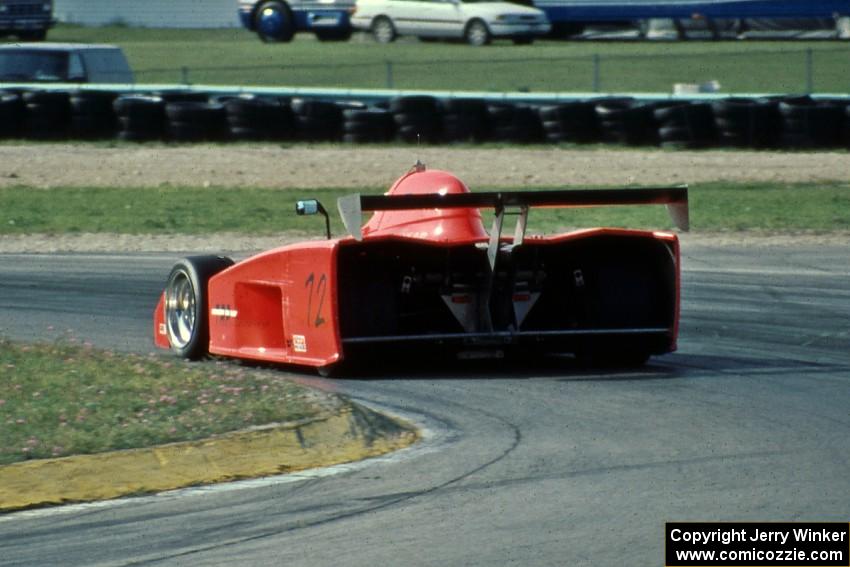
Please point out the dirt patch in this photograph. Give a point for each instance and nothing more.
(52, 165)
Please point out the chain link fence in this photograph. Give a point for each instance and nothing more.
(804, 70)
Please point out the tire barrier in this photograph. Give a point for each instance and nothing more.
(92, 115)
(253, 118)
(48, 115)
(628, 121)
(465, 120)
(747, 123)
(791, 122)
(686, 126)
(518, 124)
(12, 111)
(317, 120)
(847, 127)
(190, 121)
(572, 122)
(367, 125)
(417, 119)
(140, 118)
(809, 124)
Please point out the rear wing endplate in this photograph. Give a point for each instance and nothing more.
(352, 207)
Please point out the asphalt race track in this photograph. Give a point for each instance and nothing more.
(552, 465)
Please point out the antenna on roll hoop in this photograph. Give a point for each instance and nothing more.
(418, 166)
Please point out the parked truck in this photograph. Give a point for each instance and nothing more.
(571, 16)
(279, 20)
(28, 20)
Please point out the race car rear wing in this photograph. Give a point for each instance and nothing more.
(351, 207)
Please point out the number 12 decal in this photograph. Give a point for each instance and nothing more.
(318, 291)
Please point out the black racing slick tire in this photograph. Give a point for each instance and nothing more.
(187, 304)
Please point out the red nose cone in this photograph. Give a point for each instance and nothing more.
(429, 224)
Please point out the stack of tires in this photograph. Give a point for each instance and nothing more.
(182, 96)
(686, 126)
(847, 126)
(48, 115)
(518, 124)
(317, 120)
(465, 120)
(92, 115)
(810, 124)
(747, 122)
(626, 121)
(417, 119)
(196, 121)
(140, 117)
(570, 122)
(367, 125)
(11, 114)
(254, 118)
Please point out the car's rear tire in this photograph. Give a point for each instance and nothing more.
(187, 305)
(477, 33)
(383, 30)
(274, 22)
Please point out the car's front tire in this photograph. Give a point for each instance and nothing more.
(477, 33)
(273, 22)
(187, 305)
(383, 30)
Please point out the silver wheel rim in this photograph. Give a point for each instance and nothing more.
(477, 34)
(180, 310)
(383, 31)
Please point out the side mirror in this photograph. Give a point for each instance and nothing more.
(313, 207)
(308, 207)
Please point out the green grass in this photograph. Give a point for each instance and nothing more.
(66, 399)
(237, 57)
(169, 210)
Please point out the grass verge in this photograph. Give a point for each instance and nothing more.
(66, 399)
(236, 57)
(715, 206)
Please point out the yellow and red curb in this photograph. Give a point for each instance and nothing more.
(350, 434)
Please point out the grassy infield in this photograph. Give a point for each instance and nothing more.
(714, 207)
(236, 57)
(66, 398)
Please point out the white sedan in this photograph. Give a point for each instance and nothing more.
(476, 21)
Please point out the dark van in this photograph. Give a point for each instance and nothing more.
(63, 63)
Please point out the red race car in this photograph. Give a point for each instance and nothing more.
(424, 274)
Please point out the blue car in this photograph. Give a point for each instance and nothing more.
(278, 20)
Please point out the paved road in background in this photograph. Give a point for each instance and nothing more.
(525, 466)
